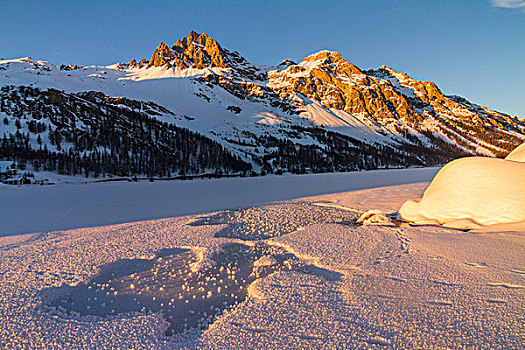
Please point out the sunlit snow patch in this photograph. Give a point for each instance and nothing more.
(167, 285)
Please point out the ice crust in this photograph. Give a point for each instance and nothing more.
(167, 285)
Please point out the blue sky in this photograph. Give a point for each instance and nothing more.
(472, 48)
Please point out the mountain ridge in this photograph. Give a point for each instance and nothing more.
(267, 115)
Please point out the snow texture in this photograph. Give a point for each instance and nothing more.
(366, 287)
(472, 193)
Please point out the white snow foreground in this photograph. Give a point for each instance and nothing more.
(474, 193)
(415, 287)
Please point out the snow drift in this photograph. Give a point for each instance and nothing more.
(473, 192)
(518, 155)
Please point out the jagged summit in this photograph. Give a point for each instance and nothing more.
(286, 63)
(162, 55)
(331, 60)
(200, 51)
(323, 55)
(195, 51)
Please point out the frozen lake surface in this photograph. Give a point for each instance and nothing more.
(28, 209)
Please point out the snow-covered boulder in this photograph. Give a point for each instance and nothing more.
(473, 192)
(375, 217)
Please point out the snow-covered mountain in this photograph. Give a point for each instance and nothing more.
(197, 107)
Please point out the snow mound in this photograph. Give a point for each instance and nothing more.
(473, 192)
(518, 155)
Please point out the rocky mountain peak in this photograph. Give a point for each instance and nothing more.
(162, 55)
(199, 51)
(286, 63)
(383, 94)
(194, 51)
(388, 69)
(331, 61)
(323, 55)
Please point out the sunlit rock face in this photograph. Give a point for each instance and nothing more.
(473, 192)
(162, 55)
(196, 51)
(386, 97)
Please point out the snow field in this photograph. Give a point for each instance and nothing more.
(413, 287)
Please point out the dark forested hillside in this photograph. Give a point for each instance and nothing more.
(86, 133)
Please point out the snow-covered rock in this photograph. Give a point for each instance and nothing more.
(473, 192)
(374, 217)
